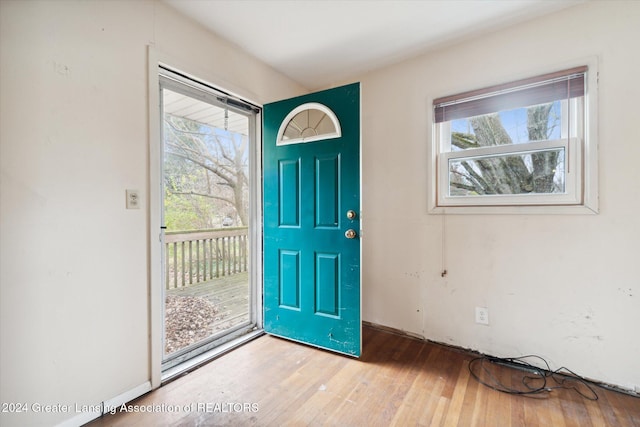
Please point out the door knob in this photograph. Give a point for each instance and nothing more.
(351, 214)
(350, 234)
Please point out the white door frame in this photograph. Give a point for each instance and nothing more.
(155, 200)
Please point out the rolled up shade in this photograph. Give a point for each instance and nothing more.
(521, 93)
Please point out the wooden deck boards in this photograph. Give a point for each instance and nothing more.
(230, 294)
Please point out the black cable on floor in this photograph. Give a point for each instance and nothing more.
(537, 379)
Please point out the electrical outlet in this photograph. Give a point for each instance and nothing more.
(133, 199)
(482, 315)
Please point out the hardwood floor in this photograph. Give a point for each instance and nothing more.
(399, 381)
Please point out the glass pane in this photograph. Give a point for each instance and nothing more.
(206, 215)
(539, 172)
(534, 123)
(307, 124)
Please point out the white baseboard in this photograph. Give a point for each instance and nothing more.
(107, 406)
(125, 397)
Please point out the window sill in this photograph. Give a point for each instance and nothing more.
(515, 210)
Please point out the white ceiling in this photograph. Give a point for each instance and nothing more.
(322, 42)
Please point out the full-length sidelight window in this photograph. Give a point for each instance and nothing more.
(524, 143)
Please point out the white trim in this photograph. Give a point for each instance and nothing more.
(590, 155)
(204, 76)
(497, 150)
(309, 106)
(125, 397)
(587, 159)
(256, 222)
(155, 221)
(108, 406)
(571, 196)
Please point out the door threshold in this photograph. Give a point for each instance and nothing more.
(197, 361)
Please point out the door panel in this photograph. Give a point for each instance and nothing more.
(289, 194)
(327, 191)
(311, 269)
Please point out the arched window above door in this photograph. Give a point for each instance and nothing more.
(308, 122)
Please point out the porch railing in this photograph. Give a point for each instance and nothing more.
(198, 256)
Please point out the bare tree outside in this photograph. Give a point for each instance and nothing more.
(206, 174)
(536, 172)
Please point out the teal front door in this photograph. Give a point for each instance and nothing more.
(312, 219)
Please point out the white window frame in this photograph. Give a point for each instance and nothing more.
(581, 195)
(304, 107)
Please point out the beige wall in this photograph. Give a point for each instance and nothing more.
(565, 287)
(74, 262)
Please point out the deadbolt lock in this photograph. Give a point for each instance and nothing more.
(350, 234)
(351, 214)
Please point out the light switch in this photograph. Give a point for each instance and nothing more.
(133, 199)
